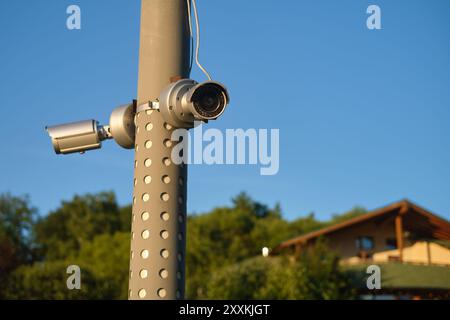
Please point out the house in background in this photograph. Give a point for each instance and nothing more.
(402, 237)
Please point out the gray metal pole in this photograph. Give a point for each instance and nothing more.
(157, 260)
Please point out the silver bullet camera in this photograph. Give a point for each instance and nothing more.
(185, 101)
(77, 136)
(88, 135)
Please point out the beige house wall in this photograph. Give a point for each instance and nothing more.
(344, 241)
(422, 252)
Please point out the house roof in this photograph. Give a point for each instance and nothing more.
(416, 219)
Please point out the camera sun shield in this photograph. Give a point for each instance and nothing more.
(75, 137)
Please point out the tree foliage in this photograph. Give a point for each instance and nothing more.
(314, 275)
(16, 222)
(76, 223)
(93, 232)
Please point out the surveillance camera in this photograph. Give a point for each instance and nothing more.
(77, 136)
(88, 135)
(185, 101)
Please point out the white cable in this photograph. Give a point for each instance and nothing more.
(189, 17)
(197, 47)
(191, 57)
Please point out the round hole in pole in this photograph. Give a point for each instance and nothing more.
(145, 234)
(145, 254)
(167, 162)
(165, 253)
(142, 293)
(162, 293)
(165, 234)
(166, 179)
(163, 273)
(168, 143)
(143, 274)
(165, 216)
(145, 216)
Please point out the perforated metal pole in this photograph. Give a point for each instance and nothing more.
(157, 260)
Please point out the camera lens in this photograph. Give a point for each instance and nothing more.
(209, 100)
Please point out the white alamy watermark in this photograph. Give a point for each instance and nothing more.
(232, 147)
(73, 21)
(373, 22)
(74, 280)
(374, 279)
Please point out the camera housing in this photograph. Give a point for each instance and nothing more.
(122, 127)
(186, 101)
(78, 136)
(88, 135)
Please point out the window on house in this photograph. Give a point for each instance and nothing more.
(391, 244)
(365, 243)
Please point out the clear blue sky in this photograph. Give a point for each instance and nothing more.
(364, 116)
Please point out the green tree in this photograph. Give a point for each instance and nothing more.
(306, 224)
(48, 281)
(353, 213)
(16, 220)
(107, 258)
(315, 275)
(223, 249)
(228, 235)
(86, 231)
(76, 223)
(104, 264)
